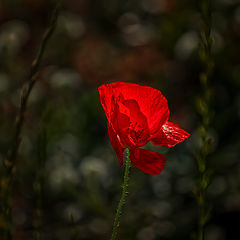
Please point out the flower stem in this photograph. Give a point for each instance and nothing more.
(123, 197)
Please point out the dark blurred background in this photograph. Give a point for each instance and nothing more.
(68, 178)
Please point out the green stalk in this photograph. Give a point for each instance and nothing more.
(116, 223)
(205, 113)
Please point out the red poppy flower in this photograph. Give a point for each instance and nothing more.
(136, 115)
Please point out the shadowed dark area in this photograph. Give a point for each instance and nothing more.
(68, 179)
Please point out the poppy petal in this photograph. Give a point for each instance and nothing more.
(147, 161)
(151, 102)
(120, 123)
(153, 105)
(120, 120)
(106, 94)
(138, 128)
(170, 135)
(117, 146)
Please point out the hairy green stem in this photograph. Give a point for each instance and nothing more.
(122, 199)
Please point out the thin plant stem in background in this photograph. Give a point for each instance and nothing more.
(38, 184)
(10, 161)
(205, 113)
(116, 223)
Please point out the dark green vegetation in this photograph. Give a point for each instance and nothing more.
(67, 179)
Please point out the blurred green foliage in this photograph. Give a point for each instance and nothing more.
(68, 179)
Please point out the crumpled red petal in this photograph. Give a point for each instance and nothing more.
(151, 102)
(136, 115)
(138, 129)
(106, 94)
(117, 146)
(120, 119)
(120, 122)
(170, 135)
(147, 161)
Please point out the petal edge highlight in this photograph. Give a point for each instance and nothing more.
(170, 135)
